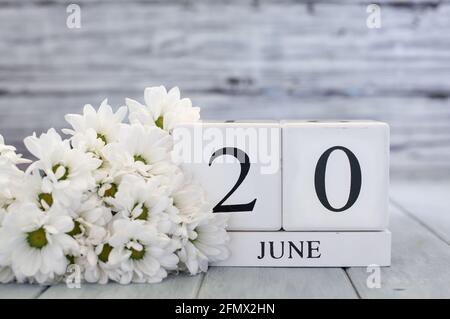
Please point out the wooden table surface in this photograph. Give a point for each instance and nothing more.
(255, 59)
(420, 226)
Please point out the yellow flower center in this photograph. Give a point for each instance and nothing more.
(145, 212)
(137, 254)
(104, 255)
(66, 171)
(37, 238)
(70, 259)
(139, 158)
(111, 191)
(76, 229)
(160, 122)
(102, 137)
(47, 198)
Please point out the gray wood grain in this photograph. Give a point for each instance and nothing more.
(320, 60)
(234, 282)
(174, 287)
(420, 143)
(420, 264)
(22, 291)
(428, 202)
(327, 50)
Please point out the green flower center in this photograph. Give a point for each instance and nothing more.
(104, 255)
(111, 191)
(102, 137)
(47, 198)
(139, 158)
(160, 122)
(76, 229)
(37, 238)
(70, 259)
(66, 171)
(137, 254)
(145, 212)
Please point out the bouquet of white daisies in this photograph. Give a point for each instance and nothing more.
(109, 199)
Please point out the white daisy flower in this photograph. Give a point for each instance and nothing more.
(32, 188)
(107, 187)
(97, 266)
(88, 142)
(8, 154)
(10, 175)
(143, 199)
(36, 243)
(190, 200)
(201, 234)
(104, 122)
(93, 220)
(8, 185)
(94, 129)
(6, 275)
(163, 109)
(140, 149)
(90, 218)
(204, 240)
(110, 199)
(68, 171)
(144, 254)
(91, 211)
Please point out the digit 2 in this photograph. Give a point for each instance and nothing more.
(355, 181)
(244, 161)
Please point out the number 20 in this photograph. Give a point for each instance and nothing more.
(319, 179)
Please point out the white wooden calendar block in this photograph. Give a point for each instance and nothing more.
(238, 164)
(309, 249)
(335, 175)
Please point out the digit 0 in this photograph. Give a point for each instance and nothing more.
(355, 181)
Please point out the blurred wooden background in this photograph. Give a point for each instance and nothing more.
(237, 59)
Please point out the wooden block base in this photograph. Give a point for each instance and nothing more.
(309, 249)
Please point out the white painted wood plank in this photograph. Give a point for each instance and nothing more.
(318, 249)
(428, 201)
(173, 287)
(420, 264)
(20, 291)
(221, 282)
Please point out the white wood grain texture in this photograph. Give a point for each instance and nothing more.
(20, 291)
(427, 201)
(174, 287)
(233, 282)
(420, 264)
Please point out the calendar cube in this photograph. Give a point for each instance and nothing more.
(335, 175)
(238, 164)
